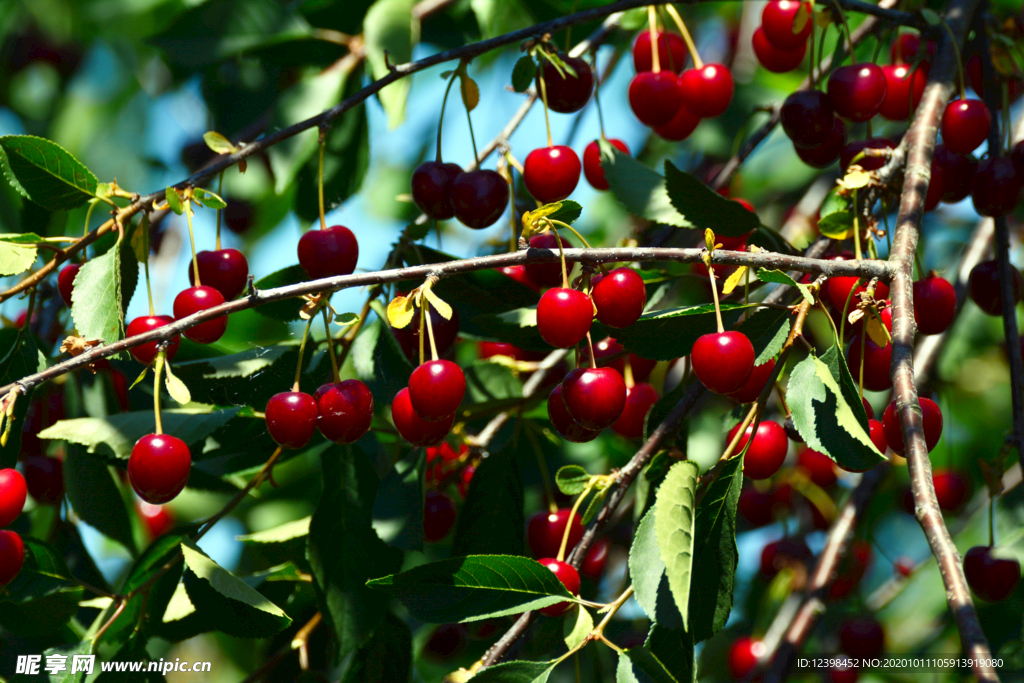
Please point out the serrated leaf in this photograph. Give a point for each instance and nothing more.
(43, 596)
(516, 672)
(438, 303)
(572, 479)
(675, 521)
(401, 311)
(640, 190)
(95, 498)
(779, 277)
(390, 28)
(492, 519)
(568, 212)
(386, 657)
(576, 627)
(673, 648)
(470, 91)
(45, 172)
(650, 582)
(175, 387)
(16, 258)
(523, 73)
(279, 534)
(638, 665)
(734, 280)
(702, 207)
(218, 143)
(174, 201)
(671, 333)
(97, 305)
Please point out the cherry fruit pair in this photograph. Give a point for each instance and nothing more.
(342, 411)
(442, 191)
(424, 412)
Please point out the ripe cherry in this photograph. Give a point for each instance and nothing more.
(13, 492)
(958, 172)
(997, 187)
(445, 334)
(594, 561)
(158, 467)
(569, 577)
(904, 87)
(785, 552)
(145, 353)
(983, 286)
(620, 297)
(992, 578)
(825, 154)
(544, 531)
(671, 52)
(868, 410)
(851, 570)
(551, 173)
(66, 282)
(479, 198)
(934, 304)
(12, 556)
(344, 410)
(639, 399)
(594, 397)
(779, 23)
(680, 126)
(819, 467)
(592, 162)
(655, 97)
(608, 347)
(518, 273)
(932, 419)
(839, 290)
(547, 274)
(196, 299)
(226, 271)
(568, 428)
(751, 389)
(755, 506)
(965, 125)
(951, 489)
(767, 452)
(414, 428)
(431, 187)
(436, 389)
(291, 418)
(438, 516)
(807, 118)
(157, 519)
(862, 637)
(905, 48)
(707, 91)
(330, 252)
(44, 479)
(564, 316)
(446, 642)
(744, 655)
(867, 162)
(776, 59)
(936, 186)
(492, 349)
(876, 363)
(723, 361)
(566, 93)
(876, 432)
(843, 671)
(857, 91)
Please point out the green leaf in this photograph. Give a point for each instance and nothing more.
(21, 238)
(577, 626)
(247, 378)
(398, 505)
(209, 199)
(674, 523)
(767, 329)
(15, 363)
(175, 387)
(386, 658)
(218, 143)
(639, 189)
(650, 581)
(286, 310)
(523, 73)
(836, 225)
(16, 258)
(673, 648)
(516, 672)
(174, 201)
(98, 300)
(650, 478)
(703, 208)
(226, 583)
(777, 276)
(671, 333)
(45, 172)
(379, 360)
(279, 534)
(474, 587)
(43, 596)
(390, 30)
(491, 521)
(153, 601)
(95, 497)
(568, 213)
(572, 479)
(638, 665)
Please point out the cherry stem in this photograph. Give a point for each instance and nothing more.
(569, 227)
(423, 334)
(959, 59)
(698, 63)
(513, 244)
(430, 333)
(158, 370)
(88, 215)
(627, 369)
(572, 515)
(542, 465)
(444, 103)
(322, 140)
(144, 227)
(192, 241)
(593, 360)
(472, 137)
(652, 27)
(561, 257)
(597, 97)
(544, 99)
(568, 31)
(811, 61)
(330, 346)
(849, 35)
(220, 193)
(856, 226)
(991, 522)
(302, 353)
(714, 294)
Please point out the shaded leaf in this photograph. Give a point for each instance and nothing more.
(95, 497)
(516, 672)
(45, 172)
(638, 665)
(390, 31)
(673, 648)
(702, 207)
(572, 479)
(523, 73)
(670, 334)
(398, 505)
(782, 278)
(674, 522)
(577, 626)
(639, 189)
(286, 310)
(43, 596)
(386, 658)
(492, 520)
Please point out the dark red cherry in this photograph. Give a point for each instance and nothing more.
(819, 467)
(568, 428)
(431, 184)
(839, 290)
(438, 516)
(807, 118)
(983, 286)
(843, 671)
(934, 304)
(951, 489)
(436, 389)
(569, 577)
(479, 198)
(608, 347)
(13, 492)
(620, 297)
(544, 531)
(238, 216)
(330, 252)
(992, 578)
(707, 91)
(291, 418)
(965, 125)
(905, 48)
(158, 467)
(1016, 156)
(551, 173)
(145, 353)
(857, 91)
(825, 154)
(876, 431)
(592, 162)
(594, 397)
(44, 479)
(767, 452)
(518, 273)
(723, 361)
(12, 556)
(594, 561)
(876, 363)
(672, 52)
(751, 389)
(639, 399)
(867, 162)
(446, 642)
(344, 410)
(655, 97)
(445, 334)
(226, 271)
(492, 349)
(862, 637)
(680, 126)
(785, 552)
(997, 187)
(779, 23)
(744, 655)
(564, 316)
(851, 570)
(414, 428)
(66, 282)
(755, 506)
(936, 186)
(976, 78)
(157, 519)
(903, 90)
(547, 274)
(566, 93)
(957, 173)
(932, 418)
(776, 59)
(194, 300)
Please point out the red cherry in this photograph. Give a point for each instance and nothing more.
(620, 297)
(934, 304)
(807, 118)
(857, 91)
(680, 126)
(445, 334)
(431, 184)
(868, 163)
(655, 97)
(492, 349)
(438, 516)
(756, 506)
(569, 577)
(157, 519)
(462, 483)
(291, 418)
(838, 289)
(639, 399)
(751, 389)
(707, 91)
(544, 531)
(13, 492)
(975, 76)
(876, 363)
(768, 451)
(992, 579)
(594, 561)
(905, 48)
(66, 282)
(479, 198)
(414, 428)
(744, 655)
(226, 270)
(904, 566)
(594, 397)
(194, 300)
(936, 186)
(851, 570)
(592, 162)
(551, 173)
(868, 410)
(903, 90)
(932, 418)
(158, 467)
(825, 154)
(965, 125)
(608, 347)
(436, 389)
(564, 316)
(145, 353)
(997, 187)
(723, 361)
(778, 21)
(44, 479)
(547, 274)
(671, 52)
(783, 553)
(518, 273)
(844, 672)
(330, 252)
(344, 410)
(12, 556)
(777, 59)
(565, 93)
(951, 489)
(862, 637)
(876, 431)
(983, 286)
(958, 172)
(446, 642)
(819, 467)
(568, 428)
